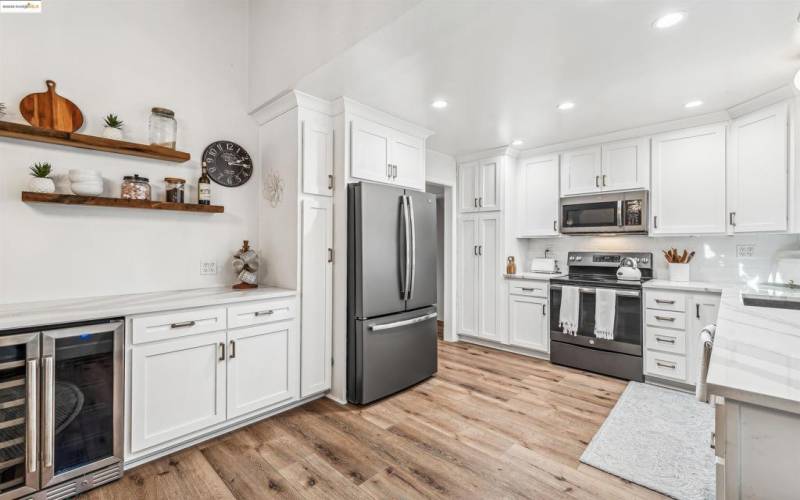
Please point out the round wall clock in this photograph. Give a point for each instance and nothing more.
(228, 163)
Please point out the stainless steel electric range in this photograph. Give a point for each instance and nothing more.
(622, 356)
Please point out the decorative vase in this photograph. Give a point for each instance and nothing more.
(41, 185)
(678, 272)
(112, 133)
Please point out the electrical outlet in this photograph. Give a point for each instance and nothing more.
(208, 267)
(745, 251)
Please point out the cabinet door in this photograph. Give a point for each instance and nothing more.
(527, 323)
(369, 155)
(626, 165)
(758, 171)
(490, 185)
(177, 388)
(488, 274)
(316, 297)
(408, 157)
(317, 151)
(704, 310)
(467, 310)
(468, 187)
(538, 197)
(580, 171)
(262, 367)
(688, 195)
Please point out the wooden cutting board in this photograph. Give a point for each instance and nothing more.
(50, 110)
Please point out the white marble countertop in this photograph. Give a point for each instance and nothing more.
(33, 314)
(756, 355)
(685, 286)
(532, 276)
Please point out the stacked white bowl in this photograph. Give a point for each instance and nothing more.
(86, 182)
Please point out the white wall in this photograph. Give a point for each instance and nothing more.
(440, 168)
(715, 258)
(125, 57)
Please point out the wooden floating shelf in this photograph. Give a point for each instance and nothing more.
(35, 134)
(97, 201)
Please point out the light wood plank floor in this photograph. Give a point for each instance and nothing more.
(490, 425)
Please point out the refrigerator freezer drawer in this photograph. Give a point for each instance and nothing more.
(391, 353)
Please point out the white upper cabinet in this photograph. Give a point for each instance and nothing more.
(316, 131)
(626, 165)
(537, 195)
(580, 171)
(480, 185)
(688, 192)
(408, 161)
(370, 151)
(758, 171)
(383, 154)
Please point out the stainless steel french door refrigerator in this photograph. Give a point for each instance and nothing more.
(391, 338)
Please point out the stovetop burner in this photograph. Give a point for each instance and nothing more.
(600, 269)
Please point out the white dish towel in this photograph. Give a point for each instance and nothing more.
(568, 314)
(706, 344)
(605, 308)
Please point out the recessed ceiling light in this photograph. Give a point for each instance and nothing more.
(669, 20)
(439, 104)
(517, 142)
(693, 104)
(566, 105)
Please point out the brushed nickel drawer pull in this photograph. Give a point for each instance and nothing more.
(529, 289)
(671, 366)
(665, 318)
(662, 301)
(265, 313)
(185, 324)
(665, 340)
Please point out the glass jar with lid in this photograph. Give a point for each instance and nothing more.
(163, 127)
(135, 188)
(175, 188)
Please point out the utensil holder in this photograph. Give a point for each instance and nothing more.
(678, 272)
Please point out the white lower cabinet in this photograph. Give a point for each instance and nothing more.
(262, 367)
(182, 387)
(178, 387)
(527, 323)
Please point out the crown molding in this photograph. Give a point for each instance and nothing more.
(288, 101)
(488, 153)
(762, 101)
(346, 105)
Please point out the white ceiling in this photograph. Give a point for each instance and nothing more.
(505, 65)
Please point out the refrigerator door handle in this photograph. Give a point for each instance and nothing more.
(406, 322)
(407, 237)
(413, 247)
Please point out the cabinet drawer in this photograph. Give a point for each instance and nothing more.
(662, 339)
(665, 301)
(661, 364)
(529, 288)
(175, 324)
(666, 319)
(259, 313)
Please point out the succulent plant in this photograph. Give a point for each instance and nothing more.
(113, 121)
(41, 170)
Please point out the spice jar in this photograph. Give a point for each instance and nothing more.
(175, 189)
(163, 127)
(135, 188)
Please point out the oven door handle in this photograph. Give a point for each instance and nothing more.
(621, 293)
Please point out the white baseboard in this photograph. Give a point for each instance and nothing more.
(503, 347)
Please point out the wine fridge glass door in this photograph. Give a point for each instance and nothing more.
(19, 405)
(81, 400)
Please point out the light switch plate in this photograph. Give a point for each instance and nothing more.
(208, 267)
(745, 251)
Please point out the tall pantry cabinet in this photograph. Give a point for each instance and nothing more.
(296, 144)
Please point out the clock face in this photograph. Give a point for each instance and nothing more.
(228, 163)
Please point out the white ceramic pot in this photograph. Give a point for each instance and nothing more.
(41, 185)
(112, 133)
(678, 272)
(91, 188)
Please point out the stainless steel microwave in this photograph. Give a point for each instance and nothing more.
(605, 213)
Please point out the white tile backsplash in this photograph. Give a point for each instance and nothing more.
(715, 259)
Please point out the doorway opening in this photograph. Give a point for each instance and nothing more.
(445, 298)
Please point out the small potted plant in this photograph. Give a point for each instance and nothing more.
(113, 128)
(41, 181)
